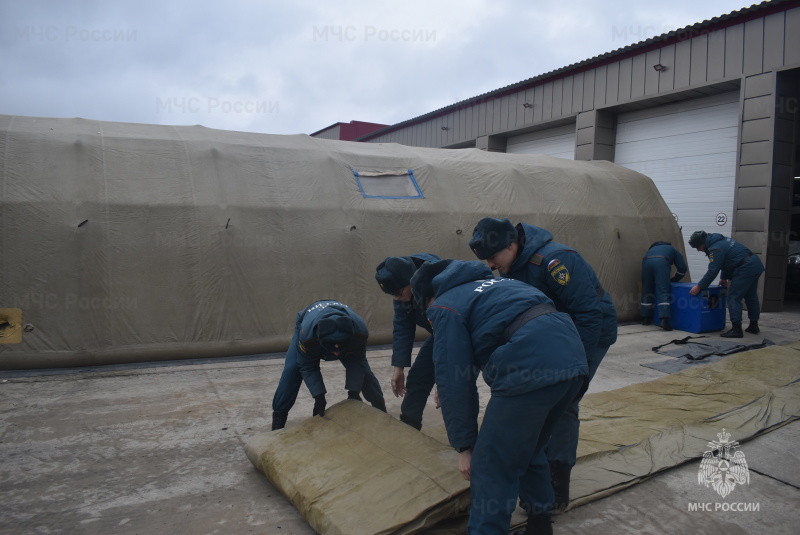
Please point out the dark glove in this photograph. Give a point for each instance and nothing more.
(352, 394)
(676, 278)
(319, 405)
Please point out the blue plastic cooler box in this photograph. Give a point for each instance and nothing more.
(699, 313)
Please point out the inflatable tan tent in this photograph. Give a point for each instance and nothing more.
(129, 242)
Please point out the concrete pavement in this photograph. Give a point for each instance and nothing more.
(158, 448)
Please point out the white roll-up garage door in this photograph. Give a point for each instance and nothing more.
(558, 142)
(689, 150)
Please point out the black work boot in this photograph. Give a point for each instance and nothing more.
(559, 476)
(753, 328)
(665, 324)
(647, 320)
(537, 525)
(735, 332)
(279, 420)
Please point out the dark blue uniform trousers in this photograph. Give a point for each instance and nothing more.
(419, 384)
(564, 440)
(655, 286)
(744, 285)
(291, 380)
(509, 461)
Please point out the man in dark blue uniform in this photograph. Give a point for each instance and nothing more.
(740, 269)
(325, 330)
(656, 268)
(529, 254)
(532, 358)
(394, 277)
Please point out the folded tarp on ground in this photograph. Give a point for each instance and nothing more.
(359, 471)
(627, 435)
(688, 354)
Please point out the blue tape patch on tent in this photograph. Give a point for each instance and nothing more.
(388, 184)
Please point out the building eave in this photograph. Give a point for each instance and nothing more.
(654, 43)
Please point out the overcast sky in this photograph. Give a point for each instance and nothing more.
(298, 66)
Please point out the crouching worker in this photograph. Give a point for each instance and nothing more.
(394, 277)
(532, 358)
(325, 330)
(656, 267)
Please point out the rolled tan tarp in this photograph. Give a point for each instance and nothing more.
(131, 242)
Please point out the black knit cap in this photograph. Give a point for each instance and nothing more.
(697, 238)
(394, 273)
(334, 332)
(422, 281)
(492, 235)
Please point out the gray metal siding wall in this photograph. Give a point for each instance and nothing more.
(755, 162)
(331, 133)
(745, 49)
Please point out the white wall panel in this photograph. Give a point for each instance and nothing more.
(689, 150)
(558, 142)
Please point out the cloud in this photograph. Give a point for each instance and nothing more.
(290, 67)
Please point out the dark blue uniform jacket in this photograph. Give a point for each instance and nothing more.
(569, 281)
(726, 255)
(471, 311)
(670, 255)
(309, 352)
(407, 316)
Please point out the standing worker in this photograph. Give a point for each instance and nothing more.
(740, 269)
(325, 330)
(532, 358)
(529, 254)
(656, 267)
(394, 277)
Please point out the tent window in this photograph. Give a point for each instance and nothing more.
(388, 184)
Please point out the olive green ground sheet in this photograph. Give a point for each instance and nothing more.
(359, 471)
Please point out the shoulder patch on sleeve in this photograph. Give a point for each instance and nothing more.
(561, 274)
(536, 260)
(553, 263)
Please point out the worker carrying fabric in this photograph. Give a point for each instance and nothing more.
(394, 277)
(656, 268)
(529, 254)
(532, 358)
(740, 269)
(325, 330)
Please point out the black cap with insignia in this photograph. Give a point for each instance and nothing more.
(492, 235)
(697, 238)
(334, 332)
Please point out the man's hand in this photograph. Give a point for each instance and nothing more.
(319, 405)
(436, 397)
(723, 283)
(695, 290)
(464, 462)
(398, 382)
